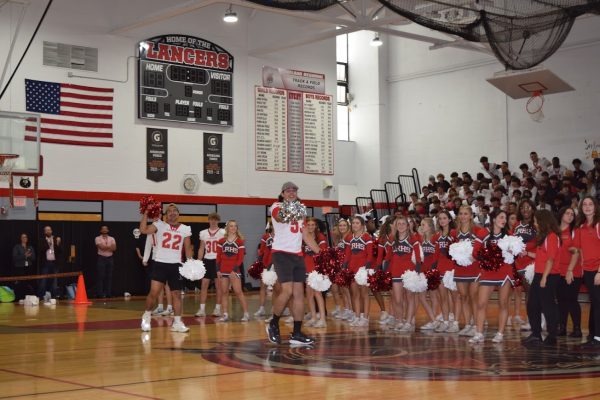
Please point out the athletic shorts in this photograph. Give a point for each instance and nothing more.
(211, 268)
(167, 273)
(289, 267)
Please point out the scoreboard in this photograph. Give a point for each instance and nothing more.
(185, 79)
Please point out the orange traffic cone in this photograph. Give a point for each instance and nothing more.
(81, 293)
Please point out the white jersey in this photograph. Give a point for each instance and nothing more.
(169, 242)
(211, 240)
(287, 236)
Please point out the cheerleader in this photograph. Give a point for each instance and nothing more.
(526, 231)
(403, 255)
(341, 295)
(384, 238)
(359, 253)
(264, 256)
(489, 280)
(587, 241)
(427, 231)
(542, 291)
(312, 295)
(442, 240)
(230, 257)
(466, 277)
(567, 292)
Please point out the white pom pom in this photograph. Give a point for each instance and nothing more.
(462, 253)
(362, 276)
(268, 277)
(529, 272)
(318, 282)
(511, 246)
(193, 270)
(414, 282)
(448, 280)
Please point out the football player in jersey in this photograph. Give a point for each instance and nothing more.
(207, 252)
(172, 239)
(289, 265)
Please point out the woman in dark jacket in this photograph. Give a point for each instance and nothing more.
(23, 257)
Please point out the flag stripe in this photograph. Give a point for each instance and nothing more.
(87, 88)
(75, 123)
(88, 106)
(71, 114)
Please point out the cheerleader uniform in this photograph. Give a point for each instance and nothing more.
(527, 233)
(230, 256)
(309, 254)
(504, 273)
(264, 251)
(470, 273)
(358, 251)
(382, 246)
(428, 249)
(567, 294)
(403, 256)
(443, 261)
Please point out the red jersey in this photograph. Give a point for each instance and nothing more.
(309, 254)
(230, 255)
(358, 251)
(527, 233)
(587, 240)
(429, 258)
(441, 256)
(264, 250)
(404, 255)
(505, 270)
(476, 237)
(382, 247)
(567, 237)
(549, 250)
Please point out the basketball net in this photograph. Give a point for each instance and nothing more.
(7, 163)
(535, 105)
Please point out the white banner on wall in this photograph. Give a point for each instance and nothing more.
(289, 79)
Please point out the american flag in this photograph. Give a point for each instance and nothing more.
(72, 114)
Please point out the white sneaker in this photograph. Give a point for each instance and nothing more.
(509, 321)
(442, 327)
(320, 324)
(518, 320)
(477, 338)
(526, 327)
(498, 338)
(336, 312)
(200, 313)
(399, 325)
(354, 322)
(348, 316)
(268, 319)
(543, 323)
(383, 316)
(289, 320)
(216, 312)
(465, 331)
(391, 321)
(310, 323)
(473, 331)
(157, 311)
(407, 328)
(179, 327)
(168, 312)
(260, 312)
(245, 318)
(146, 327)
(451, 317)
(431, 325)
(440, 318)
(362, 321)
(307, 316)
(224, 318)
(452, 327)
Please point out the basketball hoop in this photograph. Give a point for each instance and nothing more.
(7, 163)
(535, 105)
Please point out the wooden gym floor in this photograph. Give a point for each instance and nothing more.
(98, 352)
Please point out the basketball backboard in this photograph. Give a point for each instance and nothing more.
(20, 135)
(522, 84)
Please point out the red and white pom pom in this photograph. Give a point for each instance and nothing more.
(362, 276)
(318, 282)
(448, 280)
(193, 270)
(269, 277)
(151, 207)
(414, 282)
(256, 269)
(529, 273)
(511, 246)
(462, 253)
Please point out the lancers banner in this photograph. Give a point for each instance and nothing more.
(157, 155)
(213, 158)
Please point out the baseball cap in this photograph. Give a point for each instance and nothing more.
(289, 185)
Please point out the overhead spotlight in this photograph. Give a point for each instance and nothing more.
(230, 16)
(376, 42)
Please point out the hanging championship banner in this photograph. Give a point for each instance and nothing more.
(157, 156)
(213, 158)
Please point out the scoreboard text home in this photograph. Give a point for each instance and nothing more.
(186, 79)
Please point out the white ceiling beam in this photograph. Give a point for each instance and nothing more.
(407, 35)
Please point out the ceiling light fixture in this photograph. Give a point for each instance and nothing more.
(230, 16)
(376, 42)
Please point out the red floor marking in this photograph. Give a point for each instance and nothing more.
(78, 384)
